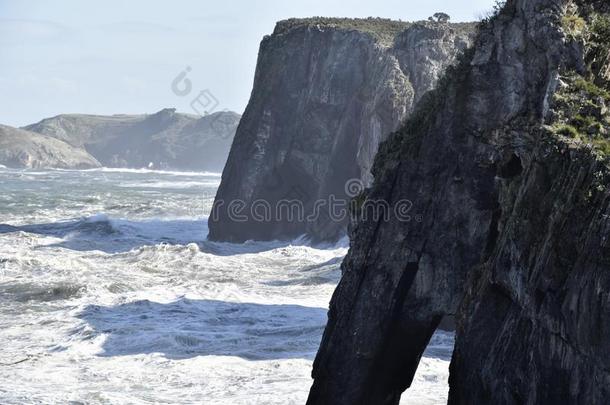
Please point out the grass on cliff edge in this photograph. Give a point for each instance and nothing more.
(582, 103)
(382, 29)
(581, 112)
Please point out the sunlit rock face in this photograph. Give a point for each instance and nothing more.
(326, 93)
(514, 228)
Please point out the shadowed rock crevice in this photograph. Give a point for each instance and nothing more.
(512, 168)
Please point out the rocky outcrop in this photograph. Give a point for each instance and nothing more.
(165, 140)
(512, 196)
(27, 150)
(326, 93)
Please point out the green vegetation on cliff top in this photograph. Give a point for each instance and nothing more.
(582, 103)
(382, 29)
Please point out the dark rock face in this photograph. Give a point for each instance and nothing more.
(28, 150)
(167, 139)
(513, 237)
(326, 93)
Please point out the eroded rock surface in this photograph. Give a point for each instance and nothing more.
(514, 228)
(326, 93)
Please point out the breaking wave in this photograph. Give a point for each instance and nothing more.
(150, 171)
(112, 294)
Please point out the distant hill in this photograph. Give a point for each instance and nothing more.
(164, 140)
(29, 150)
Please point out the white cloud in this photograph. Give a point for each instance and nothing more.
(23, 30)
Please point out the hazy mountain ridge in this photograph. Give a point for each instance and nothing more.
(167, 139)
(24, 149)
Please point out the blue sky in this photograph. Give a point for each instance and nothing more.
(107, 57)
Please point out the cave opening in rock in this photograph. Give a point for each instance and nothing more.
(430, 384)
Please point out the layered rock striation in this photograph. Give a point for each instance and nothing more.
(506, 164)
(326, 93)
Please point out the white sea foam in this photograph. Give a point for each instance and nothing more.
(150, 171)
(133, 305)
(171, 184)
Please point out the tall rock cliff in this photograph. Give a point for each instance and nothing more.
(506, 164)
(326, 93)
(167, 139)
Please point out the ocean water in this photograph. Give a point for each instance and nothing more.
(109, 293)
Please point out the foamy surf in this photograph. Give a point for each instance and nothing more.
(112, 294)
(150, 171)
